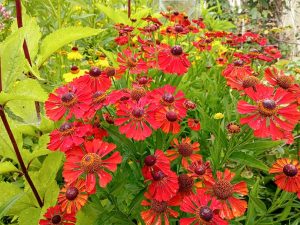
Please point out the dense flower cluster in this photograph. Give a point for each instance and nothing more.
(145, 103)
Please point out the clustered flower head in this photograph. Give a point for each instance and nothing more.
(145, 104)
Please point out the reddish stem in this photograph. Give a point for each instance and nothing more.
(129, 8)
(0, 77)
(25, 49)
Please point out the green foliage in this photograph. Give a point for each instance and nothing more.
(61, 37)
(7, 167)
(12, 59)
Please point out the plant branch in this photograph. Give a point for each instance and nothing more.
(129, 8)
(26, 51)
(19, 157)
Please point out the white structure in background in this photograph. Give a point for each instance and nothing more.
(291, 17)
(236, 4)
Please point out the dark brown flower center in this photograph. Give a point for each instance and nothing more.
(188, 104)
(267, 107)
(91, 163)
(111, 72)
(206, 213)
(168, 98)
(176, 50)
(150, 160)
(178, 28)
(66, 129)
(74, 69)
(238, 63)
(171, 116)
(137, 93)
(138, 112)
(95, 72)
(233, 128)
(185, 149)
(250, 81)
(290, 170)
(56, 219)
(143, 80)
(75, 49)
(159, 207)
(157, 175)
(200, 170)
(99, 96)
(285, 82)
(185, 183)
(68, 99)
(131, 62)
(223, 189)
(72, 193)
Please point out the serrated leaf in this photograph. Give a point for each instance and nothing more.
(4, 208)
(88, 214)
(61, 37)
(259, 146)
(12, 59)
(115, 16)
(28, 89)
(7, 167)
(6, 148)
(246, 159)
(29, 216)
(8, 190)
(32, 33)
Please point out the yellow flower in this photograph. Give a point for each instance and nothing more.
(218, 116)
(75, 72)
(74, 54)
(218, 47)
(102, 63)
(297, 70)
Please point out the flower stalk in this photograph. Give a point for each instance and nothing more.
(26, 51)
(16, 149)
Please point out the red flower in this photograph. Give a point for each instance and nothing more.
(185, 150)
(236, 69)
(158, 161)
(95, 79)
(287, 174)
(173, 60)
(164, 186)
(194, 124)
(225, 192)
(241, 81)
(122, 40)
(91, 163)
(159, 211)
(73, 196)
(199, 22)
(100, 99)
(203, 44)
(272, 51)
(273, 114)
(166, 119)
(68, 135)
(186, 185)
(199, 170)
(55, 216)
(70, 99)
(278, 78)
(130, 61)
(204, 210)
(167, 96)
(134, 119)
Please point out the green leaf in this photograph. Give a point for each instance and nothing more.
(32, 33)
(88, 214)
(8, 191)
(6, 148)
(24, 109)
(61, 37)
(7, 167)
(12, 59)
(29, 216)
(259, 146)
(114, 15)
(4, 208)
(248, 160)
